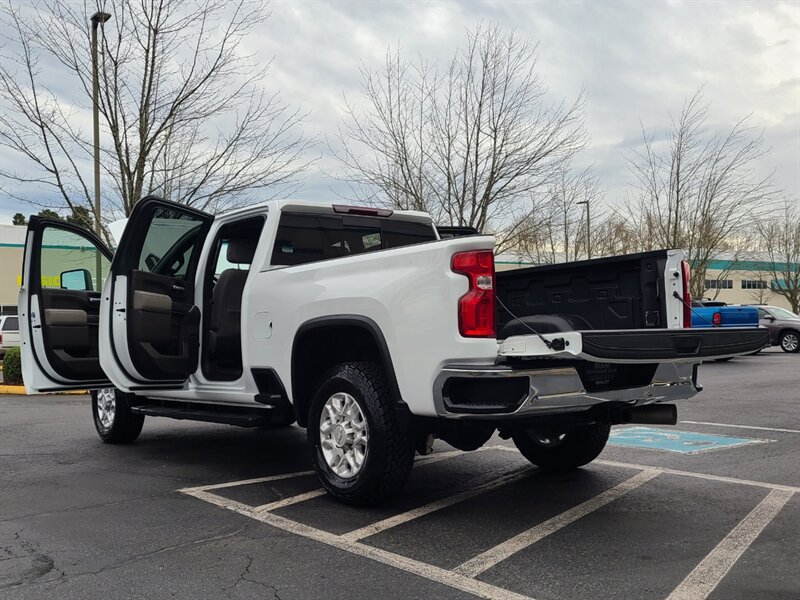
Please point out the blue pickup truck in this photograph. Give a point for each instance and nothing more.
(711, 313)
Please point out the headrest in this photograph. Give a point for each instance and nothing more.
(241, 250)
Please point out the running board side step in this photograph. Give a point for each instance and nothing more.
(243, 418)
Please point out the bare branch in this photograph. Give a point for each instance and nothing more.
(468, 141)
(183, 108)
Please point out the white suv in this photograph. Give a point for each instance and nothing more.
(9, 333)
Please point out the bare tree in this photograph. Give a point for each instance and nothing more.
(761, 292)
(780, 239)
(696, 190)
(182, 106)
(470, 142)
(556, 228)
(612, 235)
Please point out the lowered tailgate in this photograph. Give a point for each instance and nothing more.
(638, 345)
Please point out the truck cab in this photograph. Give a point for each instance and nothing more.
(362, 325)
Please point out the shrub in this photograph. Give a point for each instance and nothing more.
(12, 367)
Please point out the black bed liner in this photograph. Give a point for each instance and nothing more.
(617, 292)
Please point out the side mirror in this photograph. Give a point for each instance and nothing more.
(77, 279)
(769, 318)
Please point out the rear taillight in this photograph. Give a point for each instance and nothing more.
(476, 308)
(716, 319)
(686, 276)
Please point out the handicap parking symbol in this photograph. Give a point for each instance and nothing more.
(684, 442)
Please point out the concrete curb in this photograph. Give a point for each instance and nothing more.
(19, 390)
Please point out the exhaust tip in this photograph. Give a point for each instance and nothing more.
(652, 414)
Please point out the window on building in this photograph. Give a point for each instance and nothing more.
(753, 284)
(719, 284)
(779, 285)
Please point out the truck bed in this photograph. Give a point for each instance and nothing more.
(621, 292)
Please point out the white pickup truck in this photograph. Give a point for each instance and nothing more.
(365, 327)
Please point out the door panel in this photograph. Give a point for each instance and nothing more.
(153, 323)
(71, 319)
(59, 307)
(166, 341)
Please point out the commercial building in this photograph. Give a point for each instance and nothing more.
(12, 247)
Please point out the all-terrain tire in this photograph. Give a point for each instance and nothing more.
(112, 416)
(389, 446)
(568, 450)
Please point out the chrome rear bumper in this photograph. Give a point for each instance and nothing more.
(544, 391)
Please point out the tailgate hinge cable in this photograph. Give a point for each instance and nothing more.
(557, 344)
(691, 308)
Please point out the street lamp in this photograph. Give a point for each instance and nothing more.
(98, 18)
(588, 229)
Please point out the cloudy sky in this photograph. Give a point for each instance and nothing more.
(637, 62)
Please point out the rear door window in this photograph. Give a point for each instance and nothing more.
(307, 238)
(171, 242)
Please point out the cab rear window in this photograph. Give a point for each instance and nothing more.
(305, 238)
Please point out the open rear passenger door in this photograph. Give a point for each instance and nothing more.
(59, 307)
(149, 321)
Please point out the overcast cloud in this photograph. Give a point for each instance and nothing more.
(636, 61)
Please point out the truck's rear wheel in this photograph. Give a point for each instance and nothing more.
(113, 419)
(562, 450)
(359, 447)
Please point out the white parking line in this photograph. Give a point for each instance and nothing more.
(711, 570)
(289, 501)
(409, 565)
(429, 459)
(755, 427)
(420, 511)
(722, 478)
(699, 583)
(219, 486)
(477, 565)
(423, 460)
(614, 463)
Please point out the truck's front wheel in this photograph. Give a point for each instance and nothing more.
(113, 419)
(562, 450)
(361, 451)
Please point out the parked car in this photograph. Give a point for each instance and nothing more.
(9, 333)
(363, 326)
(783, 325)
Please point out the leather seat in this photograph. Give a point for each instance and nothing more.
(225, 339)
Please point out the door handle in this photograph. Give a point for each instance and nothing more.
(94, 300)
(176, 287)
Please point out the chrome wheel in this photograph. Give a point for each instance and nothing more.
(343, 435)
(789, 342)
(106, 406)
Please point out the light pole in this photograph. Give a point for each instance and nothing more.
(98, 18)
(588, 229)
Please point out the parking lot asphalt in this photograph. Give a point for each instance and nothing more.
(208, 511)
